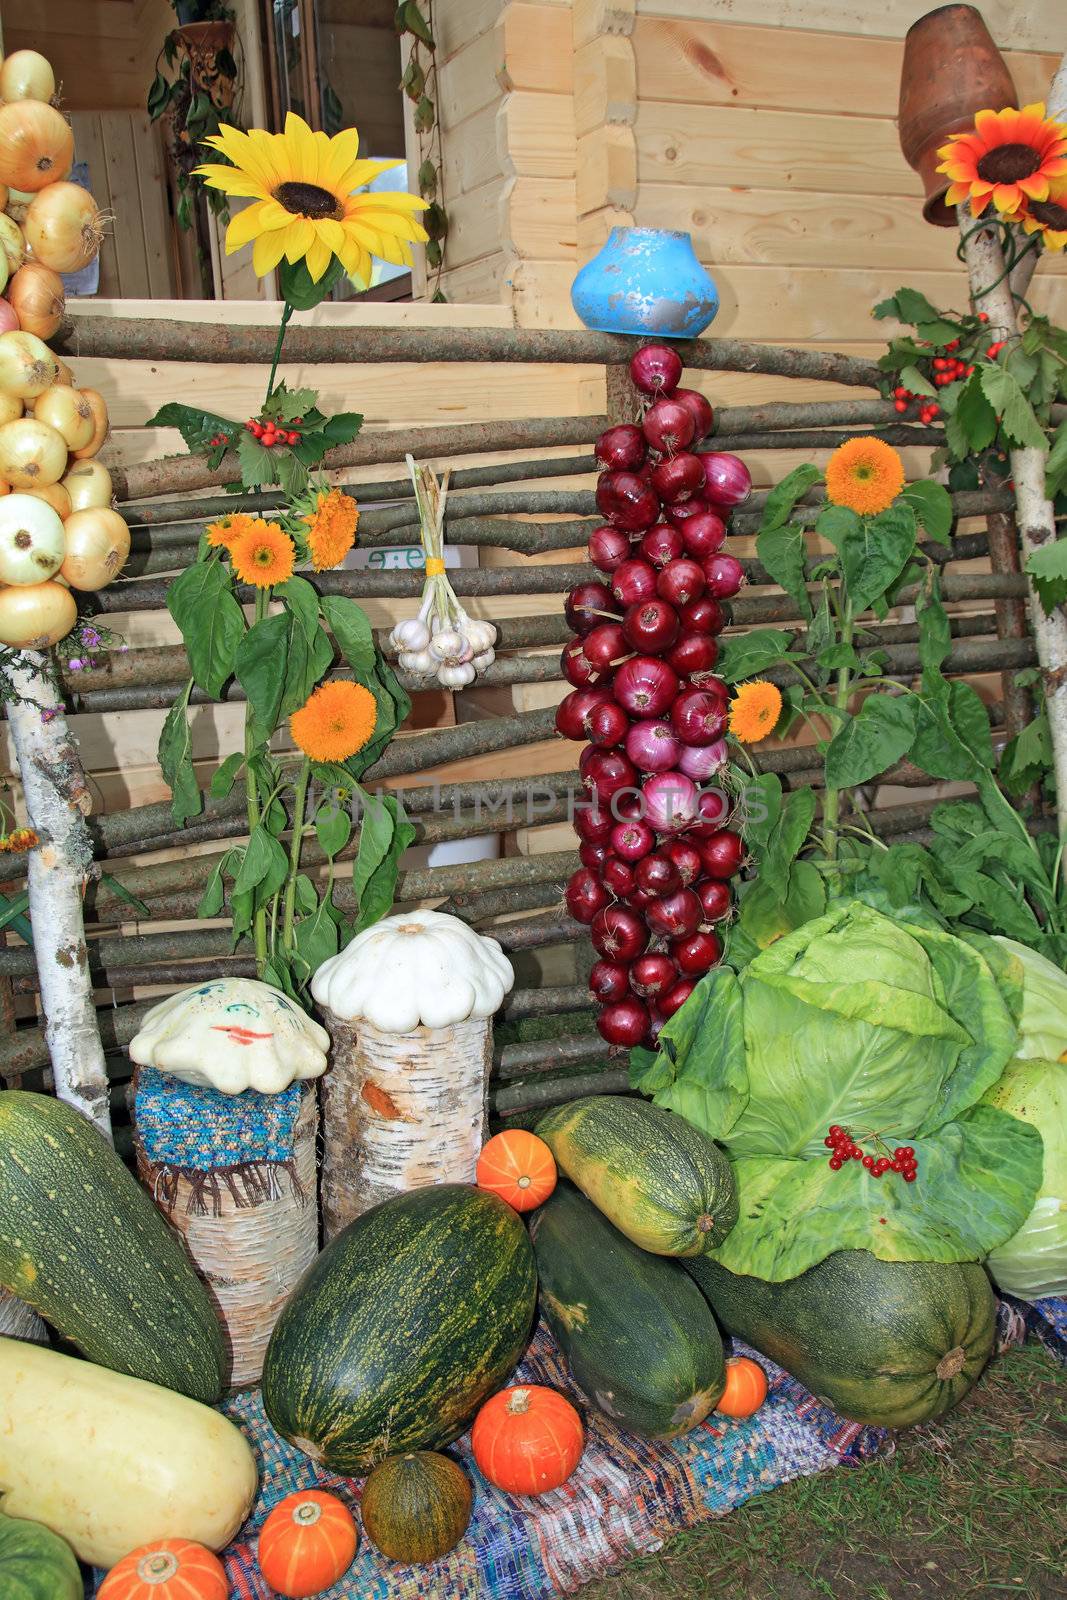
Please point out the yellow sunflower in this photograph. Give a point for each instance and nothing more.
(335, 721)
(866, 475)
(305, 207)
(263, 555)
(1008, 157)
(331, 528)
(754, 711)
(1048, 217)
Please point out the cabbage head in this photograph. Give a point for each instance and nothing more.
(892, 1030)
(1043, 1019)
(1033, 1262)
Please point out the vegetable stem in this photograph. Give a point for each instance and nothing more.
(831, 810)
(295, 842)
(287, 311)
(259, 916)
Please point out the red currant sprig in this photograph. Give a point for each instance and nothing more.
(844, 1147)
(272, 433)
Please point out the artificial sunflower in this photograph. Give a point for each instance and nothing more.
(754, 711)
(305, 207)
(1048, 217)
(223, 534)
(866, 475)
(335, 721)
(263, 555)
(331, 528)
(1008, 157)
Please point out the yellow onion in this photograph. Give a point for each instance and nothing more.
(63, 227)
(12, 243)
(68, 412)
(32, 455)
(3, 196)
(10, 407)
(32, 540)
(27, 366)
(54, 495)
(36, 145)
(88, 484)
(65, 374)
(18, 203)
(35, 617)
(98, 407)
(97, 543)
(5, 272)
(36, 294)
(26, 75)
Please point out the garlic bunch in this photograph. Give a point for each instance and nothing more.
(442, 641)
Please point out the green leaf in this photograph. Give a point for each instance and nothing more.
(836, 656)
(784, 496)
(782, 551)
(299, 596)
(870, 743)
(285, 404)
(300, 291)
(349, 625)
(305, 665)
(385, 833)
(264, 867)
(212, 624)
(127, 896)
(333, 827)
(907, 305)
(427, 179)
(790, 833)
(820, 632)
(1026, 758)
(836, 524)
(13, 916)
(874, 554)
(317, 937)
(744, 655)
(970, 721)
(974, 416)
(211, 901)
(306, 895)
(415, 23)
(770, 910)
(291, 473)
(710, 1089)
(176, 762)
(936, 331)
(225, 775)
(262, 658)
(759, 810)
(935, 637)
(1017, 418)
(1048, 568)
(342, 427)
(196, 427)
(932, 505)
(913, 379)
(425, 115)
(258, 465)
(1056, 465)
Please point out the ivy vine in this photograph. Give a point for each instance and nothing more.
(419, 83)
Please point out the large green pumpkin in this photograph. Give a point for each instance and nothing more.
(407, 1321)
(35, 1563)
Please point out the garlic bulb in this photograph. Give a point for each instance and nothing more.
(456, 676)
(420, 661)
(447, 644)
(484, 660)
(410, 635)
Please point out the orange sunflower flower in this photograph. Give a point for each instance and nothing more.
(331, 528)
(1048, 217)
(754, 711)
(1008, 157)
(866, 475)
(223, 534)
(335, 721)
(263, 555)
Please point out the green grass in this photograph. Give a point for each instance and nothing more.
(973, 1505)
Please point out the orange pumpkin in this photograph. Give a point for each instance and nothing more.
(307, 1543)
(172, 1569)
(528, 1440)
(746, 1387)
(519, 1167)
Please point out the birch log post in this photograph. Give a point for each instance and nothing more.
(58, 801)
(991, 292)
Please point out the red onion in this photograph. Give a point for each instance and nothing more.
(605, 772)
(608, 548)
(657, 875)
(698, 717)
(633, 581)
(682, 511)
(675, 998)
(702, 616)
(585, 895)
(676, 916)
(696, 952)
(573, 711)
(656, 369)
(713, 808)
(609, 981)
(677, 478)
(604, 646)
(627, 501)
(617, 877)
(653, 975)
(631, 840)
(702, 535)
(592, 823)
(593, 855)
(607, 724)
(618, 933)
(661, 544)
(651, 626)
(693, 653)
(724, 575)
(670, 800)
(640, 898)
(645, 686)
(622, 447)
(728, 481)
(681, 582)
(722, 854)
(714, 897)
(585, 604)
(626, 804)
(625, 1023)
(695, 402)
(577, 667)
(652, 747)
(701, 762)
(669, 427)
(686, 858)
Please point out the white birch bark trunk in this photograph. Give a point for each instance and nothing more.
(58, 801)
(400, 1111)
(20, 1321)
(1033, 509)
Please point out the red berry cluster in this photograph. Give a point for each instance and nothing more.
(845, 1148)
(220, 438)
(272, 433)
(656, 854)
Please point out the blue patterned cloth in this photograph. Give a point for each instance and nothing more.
(201, 1130)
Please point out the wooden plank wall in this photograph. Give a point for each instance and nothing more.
(124, 153)
(103, 52)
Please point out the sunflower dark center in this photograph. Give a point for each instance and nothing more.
(1050, 214)
(1008, 163)
(308, 200)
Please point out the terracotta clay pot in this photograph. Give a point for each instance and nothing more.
(951, 70)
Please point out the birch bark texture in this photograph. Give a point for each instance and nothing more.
(58, 802)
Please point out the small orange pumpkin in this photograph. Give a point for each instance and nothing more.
(307, 1543)
(746, 1387)
(519, 1167)
(171, 1569)
(528, 1440)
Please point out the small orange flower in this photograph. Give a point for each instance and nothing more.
(754, 711)
(1047, 217)
(335, 721)
(331, 528)
(263, 555)
(224, 533)
(866, 475)
(1008, 157)
(22, 839)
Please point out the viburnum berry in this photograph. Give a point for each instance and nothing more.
(835, 1163)
(900, 405)
(868, 1162)
(953, 345)
(910, 1175)
(983, 316)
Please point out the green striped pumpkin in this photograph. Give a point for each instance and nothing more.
(407, 1321)
(35, 1563)
(416, 1507)
(82, 1243)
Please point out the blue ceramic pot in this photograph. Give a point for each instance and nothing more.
(646, 281)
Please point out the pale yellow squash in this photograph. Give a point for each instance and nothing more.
(110, 1462)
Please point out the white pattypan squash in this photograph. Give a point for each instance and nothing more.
(421, 967)
(232, 1034)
